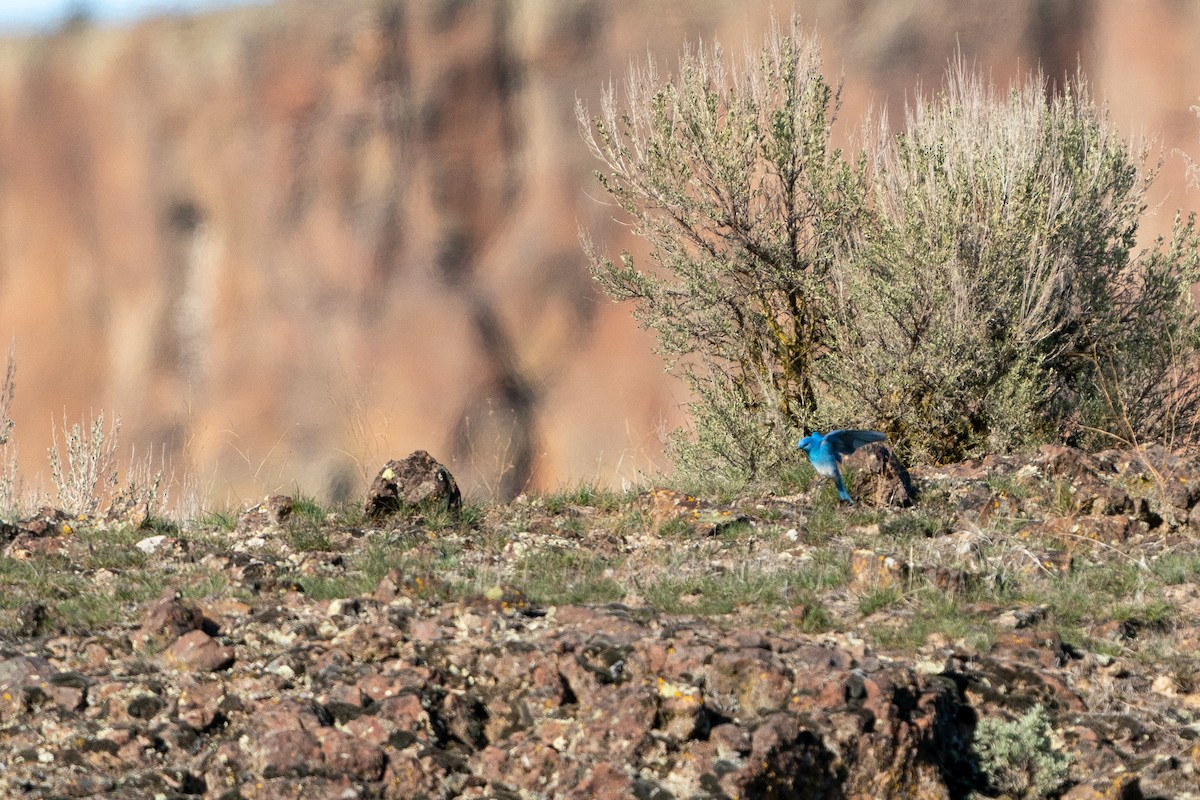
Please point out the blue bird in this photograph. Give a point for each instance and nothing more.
(825, 452)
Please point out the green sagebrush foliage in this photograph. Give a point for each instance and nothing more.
(1018, 757)
(729, 174)
(994, 300)
(968, 285)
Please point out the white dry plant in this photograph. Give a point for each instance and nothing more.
(8, 447)
(1193, 166)
(144, 491)
(88, 479)
(89, 483)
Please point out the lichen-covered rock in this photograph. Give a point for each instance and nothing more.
(417, 481)
(704, 518)
(273, 511)
(880, 477)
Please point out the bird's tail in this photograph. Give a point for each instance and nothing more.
(841, 487)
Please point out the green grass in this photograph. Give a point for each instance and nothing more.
(308, 509)
(745, 569)
(469, 516)
(211, 585)
(439, 564)
(912, 524)
(709, 593)
(308, 537)
(878, 599)
(795, 478)
(1176, 568)
(817, 618)
(1063, 501)
(335, 587)
(1153, 614)
(713, 489)
(676, 528)
(1009, 486)
(934, 611)
(588, 495)
(825, 520)
(222, 519)
(571, 577)
(74, 600)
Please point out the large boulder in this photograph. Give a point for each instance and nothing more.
(881, 480)
(417, 482)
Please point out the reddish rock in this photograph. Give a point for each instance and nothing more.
(589, 671)
(346, 754)
(289, 714)
(1080, 531)
(880, 477)
(288, 752)
(1068, 463)
(604, 782)
(1118, 786)
(681, 714)
(346, 695)
(31, 619)
(407, 713)
(371, 728)
(409, 775)
(1031, 644)
(747, 683)
(522, 764)
(1098, 498)
(272, 512)
(17, 674)
(197, 650)
(199, 704)
(309, 787)
(464, 716)
(731, 741)
(786, 760)
(704, 518)
(527, 686)
(168, 618)
(378, 686)
(617, 724)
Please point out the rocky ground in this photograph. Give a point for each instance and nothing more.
(654, 644)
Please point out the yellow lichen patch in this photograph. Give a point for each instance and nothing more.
(674, 691)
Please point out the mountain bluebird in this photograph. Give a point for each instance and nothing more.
(825, 452)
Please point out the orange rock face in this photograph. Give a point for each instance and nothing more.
(289, 243)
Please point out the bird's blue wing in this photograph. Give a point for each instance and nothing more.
(845, 442)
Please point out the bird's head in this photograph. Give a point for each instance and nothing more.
(808, 441)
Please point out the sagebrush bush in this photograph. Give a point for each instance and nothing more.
(1018, 757)
(729, 174)
(8, 455)
(88, 480)
(994, 300)
(969, 284)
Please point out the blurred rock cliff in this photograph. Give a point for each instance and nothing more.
(287, 243)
